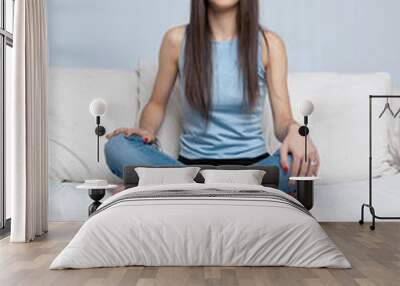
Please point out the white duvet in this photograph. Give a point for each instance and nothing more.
(200, 231)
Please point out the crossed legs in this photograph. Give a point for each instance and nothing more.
(121, 151)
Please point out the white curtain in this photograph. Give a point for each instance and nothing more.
(26, 129)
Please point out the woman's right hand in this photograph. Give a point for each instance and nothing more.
(147, 136)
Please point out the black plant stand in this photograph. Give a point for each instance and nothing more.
(370, 203)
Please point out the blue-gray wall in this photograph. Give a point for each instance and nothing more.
(320, 35)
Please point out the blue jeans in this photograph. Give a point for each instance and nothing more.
(121, 151)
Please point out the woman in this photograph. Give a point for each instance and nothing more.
(227, 64)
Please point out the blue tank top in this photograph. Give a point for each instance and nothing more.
(232, 132)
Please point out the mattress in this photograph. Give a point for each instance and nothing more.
(201, 225)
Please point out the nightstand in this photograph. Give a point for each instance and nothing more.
(96, 190)
(305, 190)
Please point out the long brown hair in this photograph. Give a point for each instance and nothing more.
(198, 71)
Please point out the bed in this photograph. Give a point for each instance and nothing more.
(201, 224)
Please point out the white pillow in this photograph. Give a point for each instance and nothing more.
(247, 177)
(72, 140)
(166, 176)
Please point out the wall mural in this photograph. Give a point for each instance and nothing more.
(119, 71)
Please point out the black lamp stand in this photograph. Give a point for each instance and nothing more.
(305, 188)
(304, 131)
(100, 131)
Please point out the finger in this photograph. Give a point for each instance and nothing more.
(148, 139)
(142, 133)
(318, 165)
(304, 167)
(296, 164)
(312, 166)
(119, 131)
(129, 132)
(284, 157)
(114, 133)
(312, 172)
(110, 135)
(147, 136)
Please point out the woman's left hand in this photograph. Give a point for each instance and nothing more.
(294, 145)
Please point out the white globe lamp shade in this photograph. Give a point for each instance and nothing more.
(306, 108)
(98, 107)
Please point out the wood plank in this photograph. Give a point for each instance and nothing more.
(375, 257)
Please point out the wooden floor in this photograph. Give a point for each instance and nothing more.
(375, 257)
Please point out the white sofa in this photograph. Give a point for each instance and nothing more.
(339, 127)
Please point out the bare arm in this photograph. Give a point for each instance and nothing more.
(286, 128)
(154, 111)
(276, 65)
